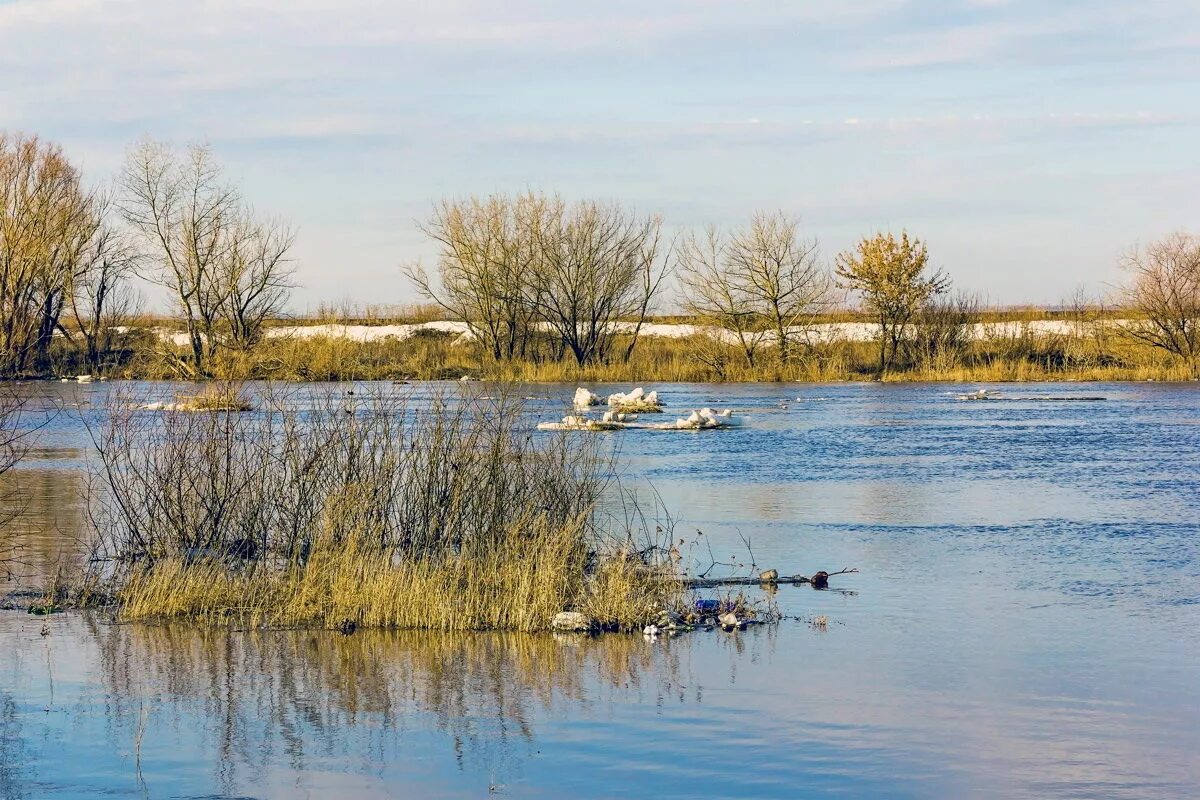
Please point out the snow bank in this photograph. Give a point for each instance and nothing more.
(821, 332)
(368, 333)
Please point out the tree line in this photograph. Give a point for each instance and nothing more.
(534, 276)
(69, 255)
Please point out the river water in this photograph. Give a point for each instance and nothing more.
(1024, 623)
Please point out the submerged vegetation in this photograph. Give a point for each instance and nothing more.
(346, 511)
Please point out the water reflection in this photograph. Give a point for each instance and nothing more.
(135, 710)
(44, 529)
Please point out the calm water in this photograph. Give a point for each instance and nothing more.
(1025, 624)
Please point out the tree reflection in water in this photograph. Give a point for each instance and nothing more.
(301, 697)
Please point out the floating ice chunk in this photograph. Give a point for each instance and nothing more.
(979, 394)
(617, 416)
(577, 423)
(585, 398)
(635, 400)
(84, 378)
(161, 406)
(704, 419)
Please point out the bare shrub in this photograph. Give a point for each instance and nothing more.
(103, 300)
(943, 331)
(380, 509)
(488, 252)
(598, 265)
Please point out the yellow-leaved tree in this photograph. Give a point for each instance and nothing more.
(889, 275)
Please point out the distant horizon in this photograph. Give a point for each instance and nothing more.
(1031, 147)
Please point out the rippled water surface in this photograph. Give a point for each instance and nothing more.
(1026, 622)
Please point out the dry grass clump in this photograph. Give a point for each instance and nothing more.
(366, 511)
(532, 575)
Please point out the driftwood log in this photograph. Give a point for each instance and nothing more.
(819, 580)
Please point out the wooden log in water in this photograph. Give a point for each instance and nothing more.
(820, 580)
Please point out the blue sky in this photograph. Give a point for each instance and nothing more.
(1030, 143)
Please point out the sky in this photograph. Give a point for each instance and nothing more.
(1030, 143)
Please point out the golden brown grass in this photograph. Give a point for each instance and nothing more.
(1097, 350)
(518, 584)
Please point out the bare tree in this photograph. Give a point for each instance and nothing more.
(46, 222)
(713, 293)
(256, 278)
(509, 266)
(1165, 291)
(488, 248)
(102, 297)
(221, 266)
(889, 275)
(598, 265)
(763, 280)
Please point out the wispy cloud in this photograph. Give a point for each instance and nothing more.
(362, 112)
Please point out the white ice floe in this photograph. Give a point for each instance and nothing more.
(979, 394)
(635, 400)
(161, 406)
(701, 419)
(585, 398)
(705, 419)
(572, 422)
(619, 415)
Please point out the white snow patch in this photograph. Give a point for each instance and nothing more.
(824, 332)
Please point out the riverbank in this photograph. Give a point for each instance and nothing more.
(1034, 349)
